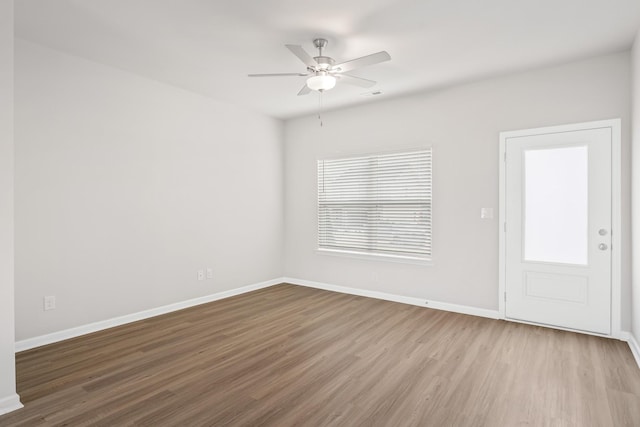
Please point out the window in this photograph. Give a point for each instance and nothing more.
(376, 204)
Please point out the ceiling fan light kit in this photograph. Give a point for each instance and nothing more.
(324, 73)
(321, 82)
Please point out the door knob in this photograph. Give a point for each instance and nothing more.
(602, 232)
(602, 247)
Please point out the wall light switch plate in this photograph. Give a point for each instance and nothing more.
(486, 213)
(209, 273)
(200, 274)
(49, 303)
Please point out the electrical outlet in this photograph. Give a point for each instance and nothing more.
(49, 303)
(200, 274)
(209, 273)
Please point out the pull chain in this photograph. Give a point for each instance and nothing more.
(320, 107)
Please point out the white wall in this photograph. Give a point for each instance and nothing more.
(462, 124)
(125, 187)
(635, 186)
(8, 398)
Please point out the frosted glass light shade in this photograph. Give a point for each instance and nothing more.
(321, 82)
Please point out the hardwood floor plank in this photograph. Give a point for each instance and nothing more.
(289, 355)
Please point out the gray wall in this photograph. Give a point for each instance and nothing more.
(8, 398)
(125, 187)
(462, 124)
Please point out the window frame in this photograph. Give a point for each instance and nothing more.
(405, 258)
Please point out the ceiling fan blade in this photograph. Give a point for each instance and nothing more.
(302, 54)
(356, 81)
(363, 61)
(278, 74)
(305, 90)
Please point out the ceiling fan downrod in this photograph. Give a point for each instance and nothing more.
(324, 63)
(320, 44)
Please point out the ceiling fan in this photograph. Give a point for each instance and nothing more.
(323, 72)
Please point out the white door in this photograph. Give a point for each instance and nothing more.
(558, 229)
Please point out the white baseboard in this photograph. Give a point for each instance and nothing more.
(622, 336)
(633, 345)
(30, 343)
(464, 309)
(9, 404)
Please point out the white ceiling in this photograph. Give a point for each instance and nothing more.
(209, 46)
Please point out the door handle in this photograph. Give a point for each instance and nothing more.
(602, 246)
(602, 232)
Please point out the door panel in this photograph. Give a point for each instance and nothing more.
(558, 229)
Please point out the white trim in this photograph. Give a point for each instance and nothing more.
(616, 227)
(374, 257)
(624, 336)
(347, 154)
(464, 309)
(560, 328)
(502, 216)
(10, 403)
(633, 346)
(30, 343)
(616, 212)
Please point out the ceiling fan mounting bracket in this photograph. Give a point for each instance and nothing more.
(320, 43)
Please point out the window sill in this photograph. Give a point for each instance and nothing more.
(375, 257)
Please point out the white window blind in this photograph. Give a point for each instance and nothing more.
(376, 204)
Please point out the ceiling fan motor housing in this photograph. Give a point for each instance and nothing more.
(324, 62)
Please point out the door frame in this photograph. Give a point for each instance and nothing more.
(616, 215)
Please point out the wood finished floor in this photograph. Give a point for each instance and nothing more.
(290, 355)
